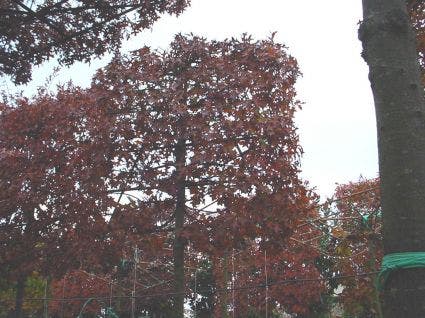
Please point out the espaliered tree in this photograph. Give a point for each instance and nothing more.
(205, 122)
(32, 32)
(391, 53)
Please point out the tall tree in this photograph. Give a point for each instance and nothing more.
(207, 122)
(34, 31)
(390, 51)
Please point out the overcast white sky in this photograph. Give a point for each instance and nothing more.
(337, 122)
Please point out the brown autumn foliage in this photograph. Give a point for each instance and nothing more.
(35, 31)
(77, 287)
(52, 213)
(290, 270)
(228, 107)
(87, 175)
(32, 32)
(55, 211)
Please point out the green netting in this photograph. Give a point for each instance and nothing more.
(110, 313)
(365, 218)
(392, 262)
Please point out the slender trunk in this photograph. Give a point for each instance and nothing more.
(20, 292)
(224, 295)
(22, 276)
(179, 242)
(390, 51)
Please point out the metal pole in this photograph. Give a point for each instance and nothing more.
(267, 285)
(196, 296)
(110, 296)
(133, 293)
(63, 296)
(45, 300)
(233, 283)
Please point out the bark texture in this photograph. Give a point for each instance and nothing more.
(390, 51)
(179, 242)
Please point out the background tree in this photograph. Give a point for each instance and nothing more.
(357, 243)
(48, 213)
(34, 31)
(391, 53)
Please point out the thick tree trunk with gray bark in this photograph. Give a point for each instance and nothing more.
(389, 50)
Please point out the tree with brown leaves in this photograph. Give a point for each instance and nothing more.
(32, 32)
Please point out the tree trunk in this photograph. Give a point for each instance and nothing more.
(179, 242)
(20, 292)
(224, 295)
(390, 51)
